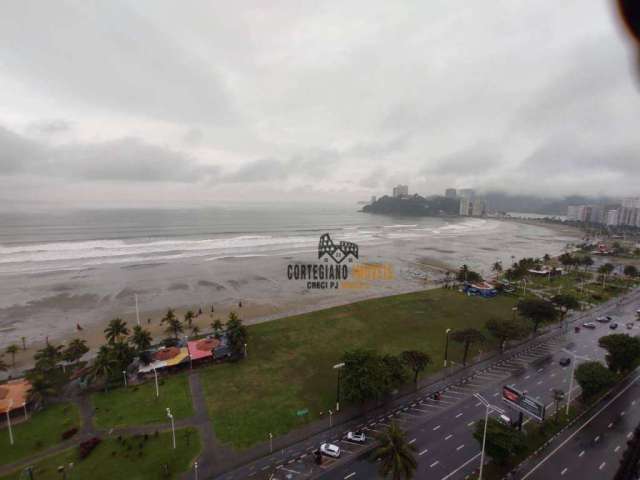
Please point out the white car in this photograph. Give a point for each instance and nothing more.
(606, 319)
(357, 437)
(589, 325)
(330, 450)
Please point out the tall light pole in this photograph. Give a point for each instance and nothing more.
(173, 427)
(270, 442)
(330, 418)
(24, 405)
(446, 345)
(489, 408)
(338, 366)
(195, 468)
(245, 350)
(137, 311)
(124, 377)
(155, 373)
(573, 373)
(9, 421)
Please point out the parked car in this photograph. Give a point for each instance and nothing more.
(613, 326)
(590, 325)
(358, 437)
(330, 450)
(605, 319)
(576, 329)
(629, 326)
(565, 361)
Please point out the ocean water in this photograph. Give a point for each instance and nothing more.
(75, 240)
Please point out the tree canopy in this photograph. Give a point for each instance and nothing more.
(415, 360)
(369, 376)
(396, 456)
(537, 311)
(467, 337)
(502, 440)
(504, 330)
(593, 378)
(623, 351)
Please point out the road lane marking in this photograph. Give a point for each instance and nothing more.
(459, 415)
(450, 474)
(423, 452)
(615, 450)
(596, 439)
(604, 407)
(350, 475)
(563, 471)
(610, 425)
(470, 423)
(448, 437)
(436, 428)
(434, 464)
(412, 441)
(460, 447)
(602, 465)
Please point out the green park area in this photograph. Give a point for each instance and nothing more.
(289, 364)
(41, 431)
(133, 458)
(138, 405)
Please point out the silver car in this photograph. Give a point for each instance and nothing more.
(330, 450)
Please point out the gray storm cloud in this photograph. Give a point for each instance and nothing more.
(350, 97)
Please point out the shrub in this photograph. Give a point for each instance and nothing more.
(86, 447)
(67, 434)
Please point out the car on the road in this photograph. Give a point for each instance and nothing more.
(358, 437)
(629, 326)
(613, 326)
(589, 325)
(565, 361)
(502, 418)
(605, 319)
(330, 450)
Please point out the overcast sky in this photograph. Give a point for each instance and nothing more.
(162, 103)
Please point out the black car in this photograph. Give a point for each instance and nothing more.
(613, 326)
(565, 361)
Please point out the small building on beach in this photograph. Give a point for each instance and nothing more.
(14, 394)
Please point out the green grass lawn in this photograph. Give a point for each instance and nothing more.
(289, 366)
(134, 458)
(42, 430)
(137, 405)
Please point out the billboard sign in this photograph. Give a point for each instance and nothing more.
(523, 403)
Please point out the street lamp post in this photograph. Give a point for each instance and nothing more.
(195, 467)
(124, 376)
(24, 406)
(330, 418)
(270, 442)
(173, 427)
(9, 421)
(155, 373)
(338, 366)
(573, 372)
(245, 350)
(446, 345)
(489, 408)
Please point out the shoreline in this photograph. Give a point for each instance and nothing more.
(418, 273)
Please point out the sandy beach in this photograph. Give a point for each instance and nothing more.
(52, 304)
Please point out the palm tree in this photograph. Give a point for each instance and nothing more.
(417, 361)
(467, 337)
(12, 350)
(497, 267)
(41, 388)
(141, 338)
(188, 318)
(116, 330)
(605, 270)
(395, 454)
(75, 350)
(103, 366)
(195, 330)
(558, 396)
(217, 327)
